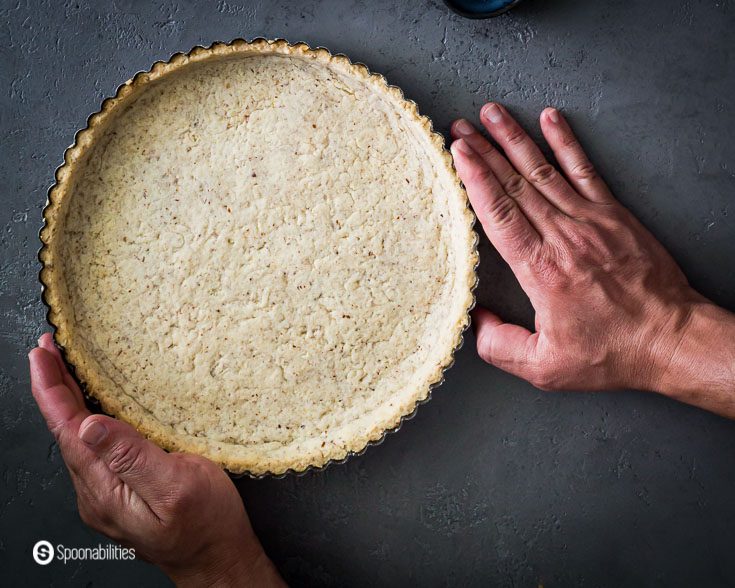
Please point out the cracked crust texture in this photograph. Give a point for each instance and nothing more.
(260, 253)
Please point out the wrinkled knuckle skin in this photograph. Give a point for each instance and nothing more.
(584, 242)
(577, 244)
(485, 150)
(545, 267)
(569, 141)
(514, 186)
(543, 174)
(583, 170)
(125, 457)
(480, 174)
(515, 136)
(502, 211)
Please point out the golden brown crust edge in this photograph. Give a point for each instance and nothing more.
(52, 286)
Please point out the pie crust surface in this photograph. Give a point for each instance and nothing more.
(259, 253)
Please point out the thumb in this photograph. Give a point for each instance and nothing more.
(507, 346)
(139, 463)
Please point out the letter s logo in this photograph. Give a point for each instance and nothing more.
(43, 553)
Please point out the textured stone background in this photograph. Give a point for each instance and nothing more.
(493, 482)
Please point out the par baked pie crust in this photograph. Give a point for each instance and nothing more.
(259, 253)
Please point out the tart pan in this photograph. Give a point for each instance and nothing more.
(122, 90)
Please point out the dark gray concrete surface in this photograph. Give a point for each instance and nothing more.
(493, 483)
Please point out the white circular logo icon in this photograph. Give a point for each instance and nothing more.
(43, 552)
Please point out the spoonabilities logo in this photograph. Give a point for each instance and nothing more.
(43, 552)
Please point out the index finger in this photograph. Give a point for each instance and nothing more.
(62, 408)
(504, 223)
(47, 342)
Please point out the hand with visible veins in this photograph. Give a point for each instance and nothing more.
(179, 511)
(613, 309)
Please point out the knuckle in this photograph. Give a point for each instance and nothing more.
(484, 149)
(480, 174)
(126, 457)
(515, 136)
(568, 140)
(185, 498)
(543, 174)
(545, 266)
(502, 211)
(576, 243)
(583, 170)
(514, 186)
(582, 241)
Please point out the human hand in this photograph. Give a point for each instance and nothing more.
(179, 511)
(612, 306)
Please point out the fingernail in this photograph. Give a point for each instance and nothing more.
(463, 127)
(462, 146)
(553, 115)
(492, 113)
(93, 433)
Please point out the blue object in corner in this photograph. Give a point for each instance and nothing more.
(481, 8)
